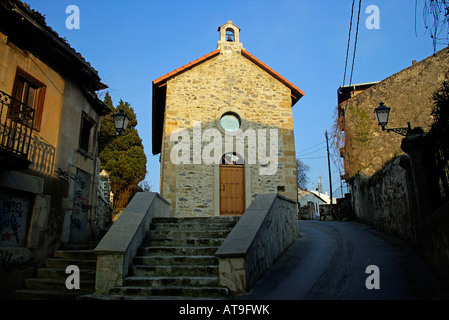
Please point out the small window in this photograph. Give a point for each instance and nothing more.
(232, 158)
(230, 122)
(87, 134)
(30, 92)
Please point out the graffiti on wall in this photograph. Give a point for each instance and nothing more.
(81, 207)
(14, 216)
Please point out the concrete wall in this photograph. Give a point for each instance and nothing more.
(267, 228)
(227, 82)
(119, 245)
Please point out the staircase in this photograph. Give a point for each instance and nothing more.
(49, 283)
(177, 260)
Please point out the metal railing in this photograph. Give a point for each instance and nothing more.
(16, 126)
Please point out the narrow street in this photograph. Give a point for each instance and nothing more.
(329, 261)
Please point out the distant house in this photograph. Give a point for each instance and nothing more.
(49, 124)
(366, 148)
(315, 198)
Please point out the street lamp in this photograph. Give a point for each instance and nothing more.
(382, 113)
(120, 122)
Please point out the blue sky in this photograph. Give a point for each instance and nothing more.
(134, 42)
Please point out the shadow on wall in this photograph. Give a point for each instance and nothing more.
(42, 156)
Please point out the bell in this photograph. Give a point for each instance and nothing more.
(230, 39)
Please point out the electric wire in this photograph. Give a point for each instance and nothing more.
(355, 41)
(349, 41)
(299, 152)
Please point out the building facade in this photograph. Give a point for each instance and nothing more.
(50, 119)
(366, 148)
(223, 127)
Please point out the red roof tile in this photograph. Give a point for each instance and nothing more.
(296, 92)
(186, 67)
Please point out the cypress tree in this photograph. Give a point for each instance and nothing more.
(122, 156)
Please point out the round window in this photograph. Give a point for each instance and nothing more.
(230, 122)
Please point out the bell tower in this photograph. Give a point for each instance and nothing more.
(229, 38)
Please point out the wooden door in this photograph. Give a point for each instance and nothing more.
(232, 190)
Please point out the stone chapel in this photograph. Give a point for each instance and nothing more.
(223, 127)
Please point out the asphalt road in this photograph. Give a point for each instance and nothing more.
(329, 262)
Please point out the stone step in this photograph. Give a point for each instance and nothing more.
(59, 273)
(187, 271)
(63, 263)
(187, 242)
(197, 220)
(33, 294)
(161, 234)
(176, 251)
(175, 260)
(226, 226)
(58, 284)
(171, 281)
(76, 254)
(170, 291)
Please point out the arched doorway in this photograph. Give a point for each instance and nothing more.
(232, 184)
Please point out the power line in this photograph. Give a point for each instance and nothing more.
(355, 42)
(349, 41)
(311, 147)
(305, 154)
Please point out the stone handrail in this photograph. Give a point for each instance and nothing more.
(119, 245)
(268, 227)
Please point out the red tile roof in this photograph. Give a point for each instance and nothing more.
(185, 67)
(296, 92)
(159, 92)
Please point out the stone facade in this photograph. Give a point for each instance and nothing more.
(195, 97)
(52, 195)
(409, 94)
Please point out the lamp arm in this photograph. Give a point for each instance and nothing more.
(402, 131)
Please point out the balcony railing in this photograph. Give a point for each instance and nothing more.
(16, 126)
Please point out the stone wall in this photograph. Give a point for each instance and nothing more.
(326, 213)
(409, 94)
(307, 212)
(435, 240)
(267, 228)
(386, 200)
(227, 82)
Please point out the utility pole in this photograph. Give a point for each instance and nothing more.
(329, 165)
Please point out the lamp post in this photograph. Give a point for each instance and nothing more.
(382, 113)
(120, 122)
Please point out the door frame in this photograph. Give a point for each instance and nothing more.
(216, 191)
(241, 171)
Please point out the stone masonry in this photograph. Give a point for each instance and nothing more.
(409, 94)
(197, 95)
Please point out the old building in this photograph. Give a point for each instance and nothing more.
(50, 118)
(365, 147)
(223, 127)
